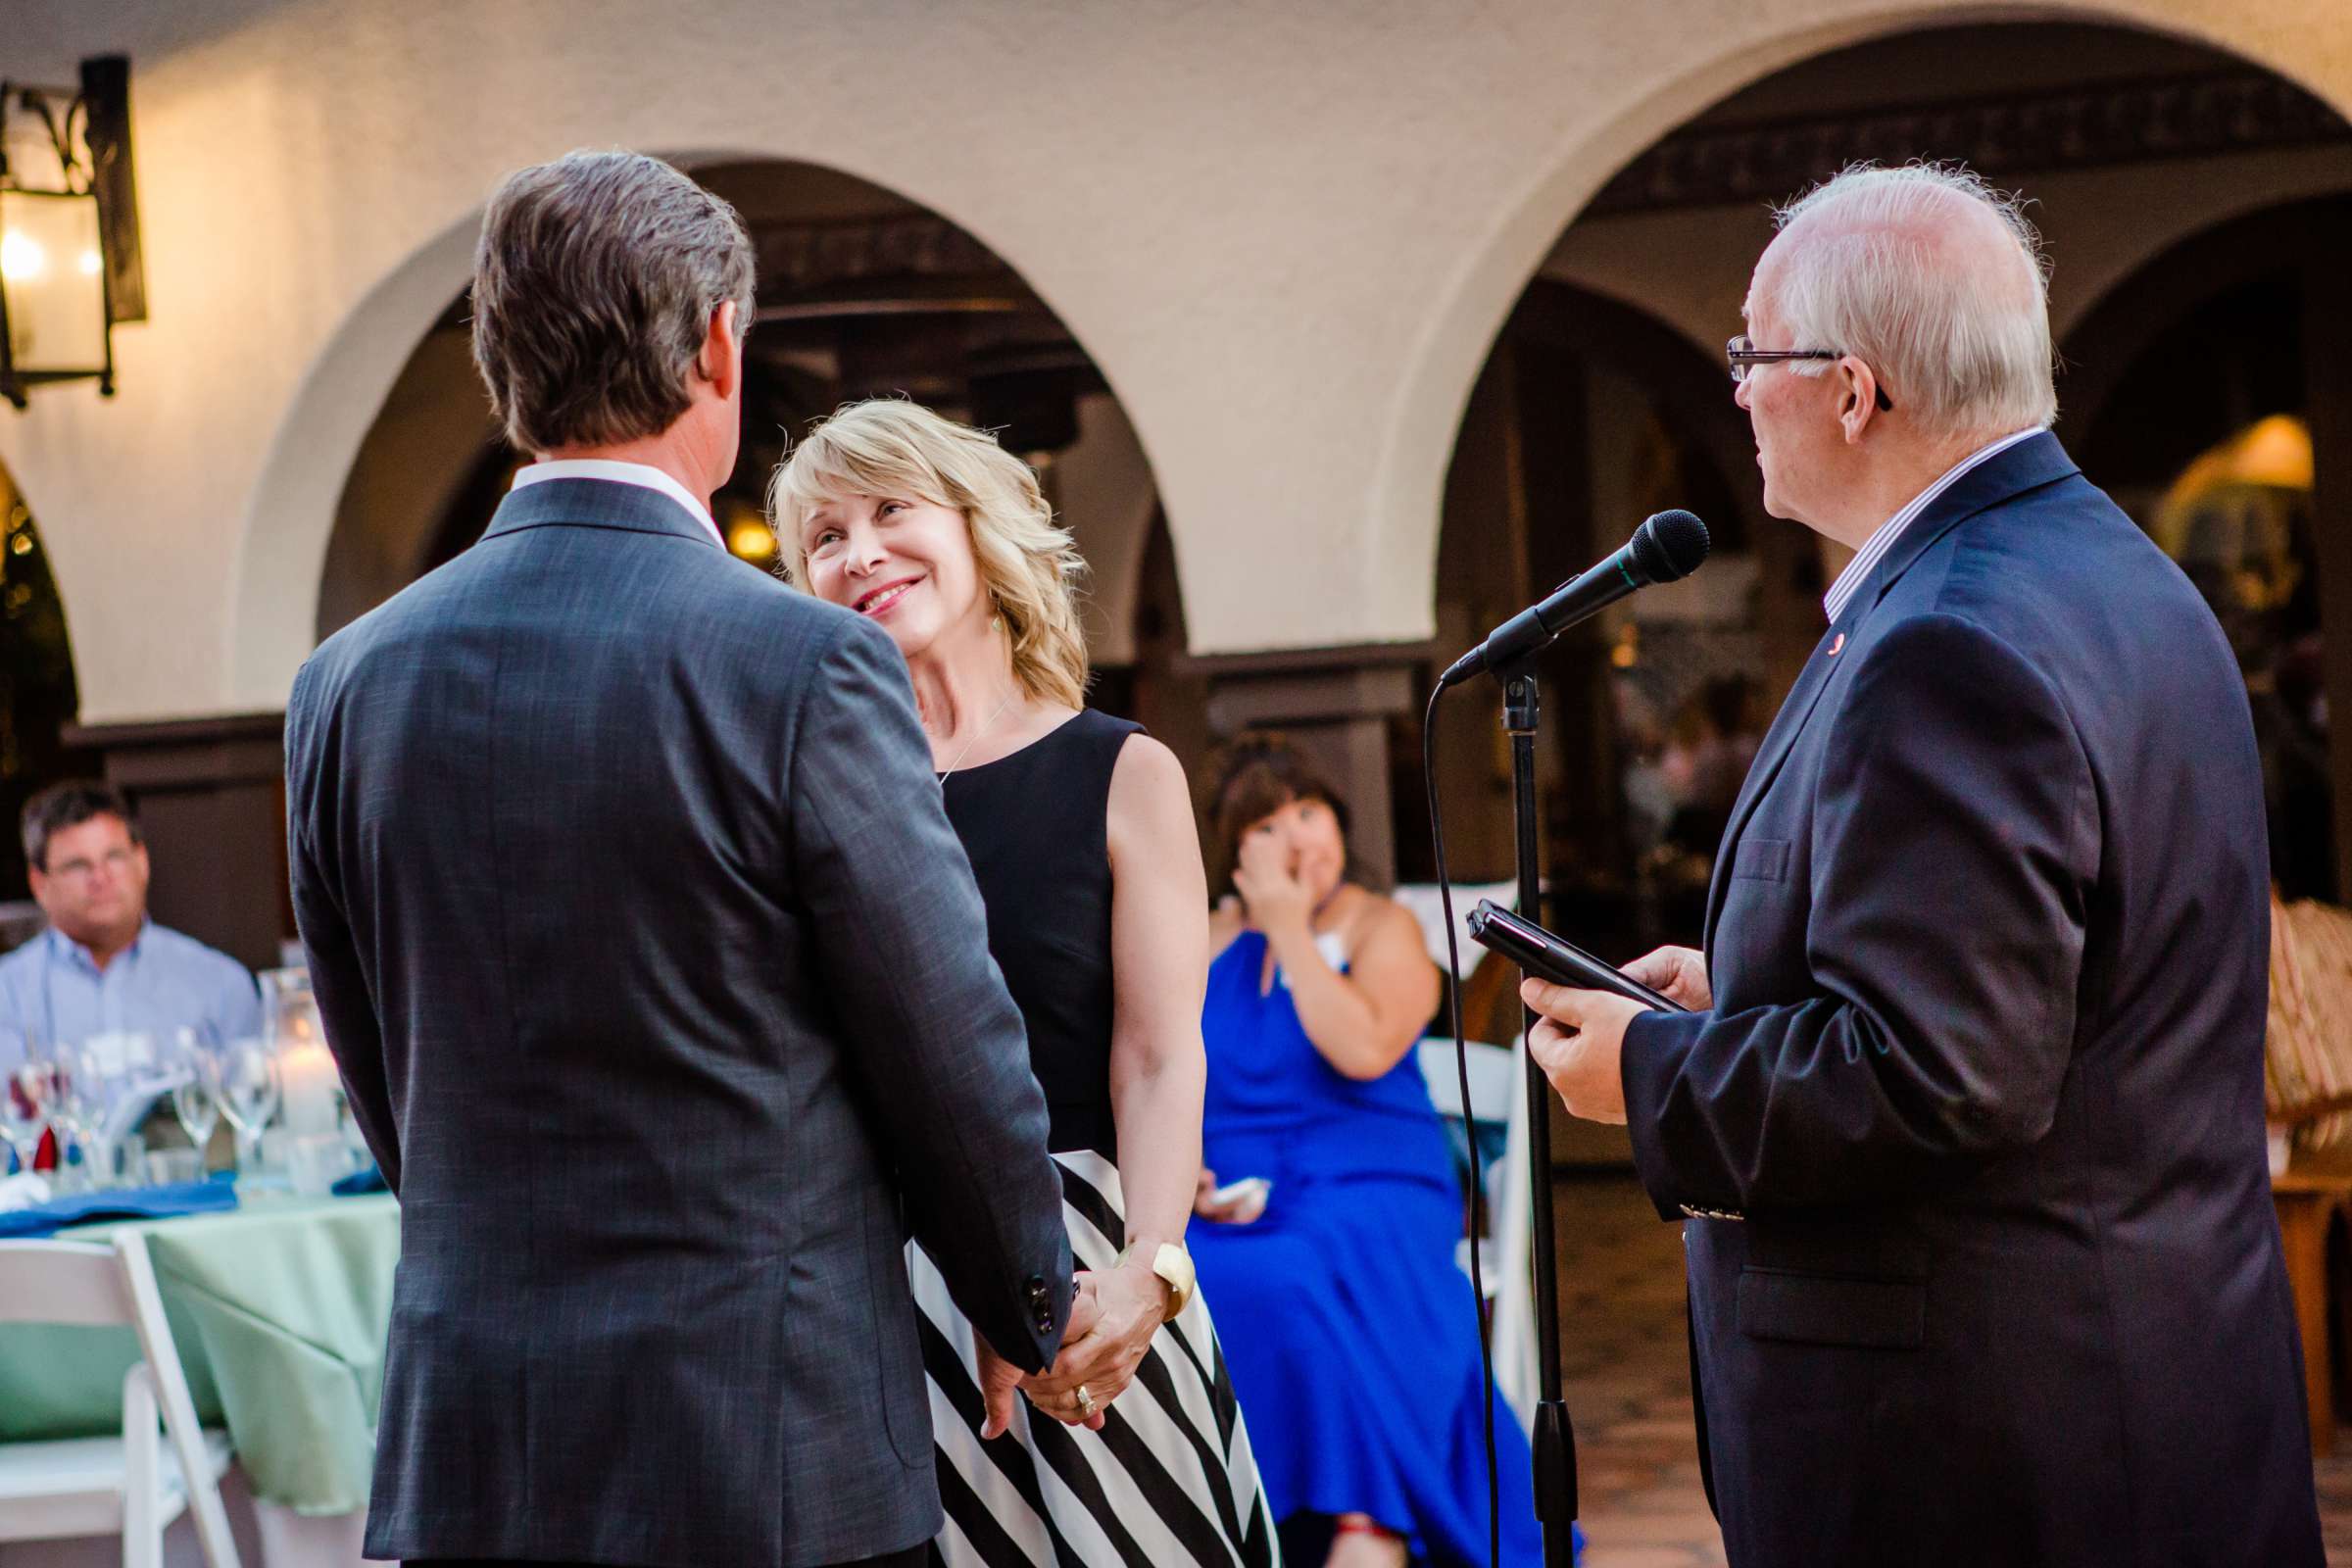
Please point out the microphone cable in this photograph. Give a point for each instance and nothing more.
(1461, 1062)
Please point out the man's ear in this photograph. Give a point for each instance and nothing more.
(720, 359)
(1859, 397)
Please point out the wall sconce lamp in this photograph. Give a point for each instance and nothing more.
(69, 264)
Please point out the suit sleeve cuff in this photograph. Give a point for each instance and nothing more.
(1648, 1064)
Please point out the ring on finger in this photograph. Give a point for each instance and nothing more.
(1086, 1402)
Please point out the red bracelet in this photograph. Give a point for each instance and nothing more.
(1362, 1524)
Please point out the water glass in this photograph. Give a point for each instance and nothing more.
(315, 1163)
(347, 1127)
(169, 1167)
(103, 1074)
(248, 1097)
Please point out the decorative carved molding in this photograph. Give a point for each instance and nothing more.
(2126, 122)
(797, 258)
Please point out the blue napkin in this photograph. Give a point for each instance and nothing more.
(362, 1182)
(134, 1202)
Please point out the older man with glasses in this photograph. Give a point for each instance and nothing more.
(1964, 1127)
(103, 968)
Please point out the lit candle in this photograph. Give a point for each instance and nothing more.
(307, 1082)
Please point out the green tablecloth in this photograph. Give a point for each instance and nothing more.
(279, 1311)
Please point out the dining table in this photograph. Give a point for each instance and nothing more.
(278, 1308)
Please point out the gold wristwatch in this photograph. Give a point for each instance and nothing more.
(1173, 1267)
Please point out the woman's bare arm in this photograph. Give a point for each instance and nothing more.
(1365, 1020)
(1159, 1072)
(1159, 970)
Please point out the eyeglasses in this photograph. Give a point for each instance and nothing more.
(115, 862)
(1744, 357)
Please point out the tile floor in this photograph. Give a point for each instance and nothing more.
(1627, 1386)
(1627, 1378)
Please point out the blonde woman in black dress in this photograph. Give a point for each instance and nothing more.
(1079, 827)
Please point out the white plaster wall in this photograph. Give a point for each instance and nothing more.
(1286, 233)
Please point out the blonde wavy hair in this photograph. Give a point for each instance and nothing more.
(1029, 566)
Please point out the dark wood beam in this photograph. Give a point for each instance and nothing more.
(210, 799)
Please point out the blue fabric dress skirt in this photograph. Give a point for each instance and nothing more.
(1349, 1331)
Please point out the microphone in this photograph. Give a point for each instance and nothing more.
(1669, 546)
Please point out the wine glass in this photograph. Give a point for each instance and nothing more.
(196, 1094)
(72, 1116)
(96, 1080)
(24, 1106)
(248, 1097)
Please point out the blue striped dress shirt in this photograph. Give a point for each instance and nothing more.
(1874, 548)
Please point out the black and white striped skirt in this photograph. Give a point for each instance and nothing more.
(1169, 1481)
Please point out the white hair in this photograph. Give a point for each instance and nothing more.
(1960, 345)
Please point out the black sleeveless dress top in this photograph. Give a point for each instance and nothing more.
(1034, 824)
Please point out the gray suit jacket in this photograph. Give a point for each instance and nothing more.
(661, 986)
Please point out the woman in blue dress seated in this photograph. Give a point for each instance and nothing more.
(1349, 1331)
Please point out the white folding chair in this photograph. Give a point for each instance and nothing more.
(1497, 1080)
(1511, 1328)
(134, 1485)
(1490, 1069)
(1427, 907)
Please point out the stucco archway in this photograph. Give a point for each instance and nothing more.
(1455, 337)
(285, 548)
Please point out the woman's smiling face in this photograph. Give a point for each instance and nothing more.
(905, 563)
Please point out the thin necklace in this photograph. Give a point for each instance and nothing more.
(976, 734)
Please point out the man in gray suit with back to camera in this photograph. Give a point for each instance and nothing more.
(657, 975)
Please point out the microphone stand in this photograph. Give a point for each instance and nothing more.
(1554, 1433)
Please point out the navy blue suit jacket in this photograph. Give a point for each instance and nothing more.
(1982, 1080)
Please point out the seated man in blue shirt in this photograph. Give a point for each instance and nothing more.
(103, 967)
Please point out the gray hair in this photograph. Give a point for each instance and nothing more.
(594, 284)
(1963, 348)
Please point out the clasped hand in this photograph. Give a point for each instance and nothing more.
(1582, 1038)
(1112, 1319)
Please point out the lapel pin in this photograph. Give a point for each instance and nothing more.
(1839, 643)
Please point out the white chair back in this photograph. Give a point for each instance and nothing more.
(1496, 1071)
(1427, 907)
(1499, 1090)
(1492, 1071)
(74, 1283)
(1511, 1328)
(88, 1285)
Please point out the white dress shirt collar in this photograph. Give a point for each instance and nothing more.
(613, 471)
(1874, 549)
